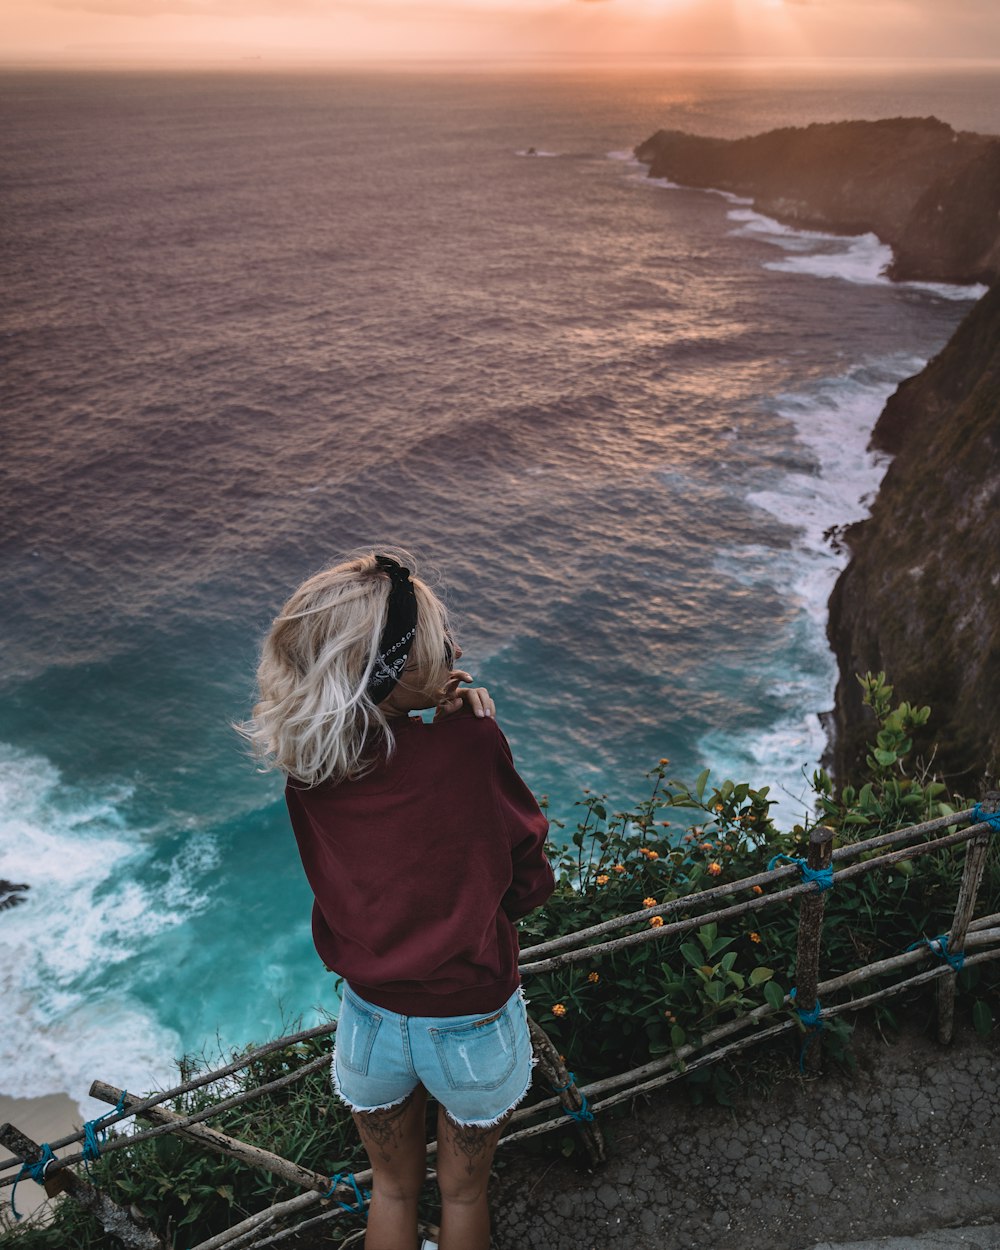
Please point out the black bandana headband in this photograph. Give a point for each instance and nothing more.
(397, 636)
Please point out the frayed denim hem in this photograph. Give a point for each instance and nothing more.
(503, 1114)
(353, 1106)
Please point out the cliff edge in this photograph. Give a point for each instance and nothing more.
(921, 595)
(930, 192)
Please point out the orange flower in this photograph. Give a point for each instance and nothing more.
(718, 807)
(644, 850)
(649, 902)
(619, 868)
(727, 847)
(558, 1009)
(593, 977)
(664, 761)
(656, 921)
(755, 937)
(603, 879)
(705, 846)
(714, 869)
(665, 824)
(758, 889)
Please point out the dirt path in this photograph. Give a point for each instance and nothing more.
(909, 1143)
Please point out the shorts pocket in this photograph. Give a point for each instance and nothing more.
(480, 1054)
(355, 1037)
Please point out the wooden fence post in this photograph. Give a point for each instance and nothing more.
(554, 1071)
(810, 935)
(115, 1219)
(972, 876)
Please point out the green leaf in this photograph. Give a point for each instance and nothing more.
(761, 974)
(982, 1018)
(692, 954)
(677, 1036)
(706, 935)
(885, 758)
(701, 783)
(774, 995)
(716, 991)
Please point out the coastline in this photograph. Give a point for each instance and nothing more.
(43, 1119)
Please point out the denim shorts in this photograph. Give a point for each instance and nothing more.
(477, 1067)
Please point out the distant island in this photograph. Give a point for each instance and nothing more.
(920, 597)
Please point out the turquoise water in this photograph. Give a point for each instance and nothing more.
(255, 321)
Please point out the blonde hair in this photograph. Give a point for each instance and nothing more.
(315, 718)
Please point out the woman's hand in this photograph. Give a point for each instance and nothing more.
(454, 699)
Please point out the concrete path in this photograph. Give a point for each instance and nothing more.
(908, 1145)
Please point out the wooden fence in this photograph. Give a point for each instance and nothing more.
(968, 942)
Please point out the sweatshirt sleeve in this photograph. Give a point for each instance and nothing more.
(527, 827)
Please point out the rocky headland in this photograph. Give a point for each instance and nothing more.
(930, 192)
(920, 597)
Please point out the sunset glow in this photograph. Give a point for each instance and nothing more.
(490, 31)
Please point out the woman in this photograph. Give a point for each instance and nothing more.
(423, 846)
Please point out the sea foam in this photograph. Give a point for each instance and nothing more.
(86, 911)
(832, 422)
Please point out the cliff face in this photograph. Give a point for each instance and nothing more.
(931, 193)
(921, 596)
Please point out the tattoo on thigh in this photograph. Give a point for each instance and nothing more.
(382, 1130)
(474, 1142)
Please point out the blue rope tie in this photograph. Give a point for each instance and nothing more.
(939, 946)
(821, 878)
(584, 1115)
(94, 1134)
(987, 818)
(811, 1019)
(361, 1196)
(35, 1170)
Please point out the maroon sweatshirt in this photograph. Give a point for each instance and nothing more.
(420, 868)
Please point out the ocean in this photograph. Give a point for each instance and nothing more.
(253, 320)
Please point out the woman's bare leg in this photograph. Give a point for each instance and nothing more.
(396, 1142)
(464, 1158)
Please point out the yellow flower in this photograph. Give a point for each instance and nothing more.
(603, 879)
(619, 868)
(649, 902)
(593, 977)
(656, 921)
(558, 1009)
(758, 889)
(714, 869)
(755, 937)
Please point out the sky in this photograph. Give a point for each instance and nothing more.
(491, 31)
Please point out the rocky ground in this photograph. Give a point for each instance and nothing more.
(907, 1147)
